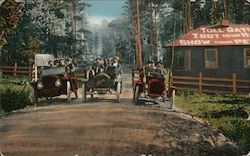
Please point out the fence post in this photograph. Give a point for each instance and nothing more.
(171, 80)
(30, 71)
(35, 73)
(172, 100)
(15, 68)
(234, 83)
(200, 82)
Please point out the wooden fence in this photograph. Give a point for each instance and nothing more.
(212, 85)
(15, 71)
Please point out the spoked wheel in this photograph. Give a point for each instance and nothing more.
(68, 91)
(84, 95)
(136, 94)
(118, 91)
(121, 87)
(92, 93)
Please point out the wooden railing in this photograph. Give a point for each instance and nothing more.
(15, 71)
(211, 85)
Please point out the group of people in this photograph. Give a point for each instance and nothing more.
(101, 65)
(69, 63)
(158, 70)
(158, 64)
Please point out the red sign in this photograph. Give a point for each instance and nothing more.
(233, 34)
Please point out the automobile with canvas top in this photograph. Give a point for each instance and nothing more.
(53, 78)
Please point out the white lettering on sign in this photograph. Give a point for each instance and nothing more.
(223, 42)
(245, 35)
(238, 30)
(244, 41)
(227, 30)
(231, 35)
(218, 36)
(196, 35)
(210, 30)
(194, 42)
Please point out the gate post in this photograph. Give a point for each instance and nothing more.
(200, 82)
(234, 84)
(172, 100)
(15, 68)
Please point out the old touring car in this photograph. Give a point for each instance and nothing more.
(150, 83)
(103, 78)
(54, 80)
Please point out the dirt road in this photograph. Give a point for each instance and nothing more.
(102, 127)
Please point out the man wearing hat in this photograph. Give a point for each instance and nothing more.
(115, 61)
(97, 65)
(117, 65)
(56, 63)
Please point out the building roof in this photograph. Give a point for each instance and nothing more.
(215, 35)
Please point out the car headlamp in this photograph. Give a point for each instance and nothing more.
(58, 83)
(39, 85)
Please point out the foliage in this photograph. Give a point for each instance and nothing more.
(231, 112)
(206, 12)
(121, 37)
(25, 40)
(1, 112)
(239, 11)
(37, 31)
(225, 113)
(15, 97)
(236, 129)
(59, 44)
(9, 18)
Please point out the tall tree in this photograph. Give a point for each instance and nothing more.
(9, 17)
(43, 21)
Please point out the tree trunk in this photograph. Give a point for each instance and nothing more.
(186, 16)
(214, 17)
(133, 27)
(73, 25)
(139, 55)
(225, 9)
(151, 32)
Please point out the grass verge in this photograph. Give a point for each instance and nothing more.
(224, 113)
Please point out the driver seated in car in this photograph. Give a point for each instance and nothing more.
(98, 66)
(56, 63)
(115, 68)
(61, 62)
(115, 61)
(106, 63)
(50, 63)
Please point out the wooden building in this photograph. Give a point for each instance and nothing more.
(216, 53)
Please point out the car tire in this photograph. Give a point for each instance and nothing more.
(118, 91)
(136, 94)
(84, 93)
(68, 91)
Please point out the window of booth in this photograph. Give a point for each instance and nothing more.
(211, 59)
(247, 58)
(182, 59)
